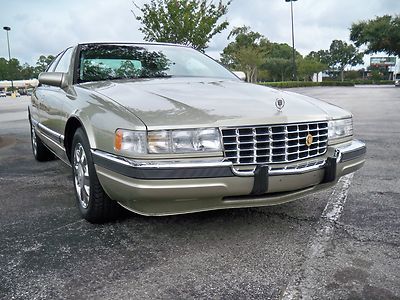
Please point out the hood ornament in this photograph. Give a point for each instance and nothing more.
(280, 103)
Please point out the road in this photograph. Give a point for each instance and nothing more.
(343, 243)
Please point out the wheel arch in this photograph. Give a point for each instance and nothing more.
(73, 123)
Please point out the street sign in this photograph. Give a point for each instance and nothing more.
(383, 61)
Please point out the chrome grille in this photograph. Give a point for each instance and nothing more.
(274, 143)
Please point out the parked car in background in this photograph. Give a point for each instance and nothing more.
(3, 94)
(164, 129)
(397, 79)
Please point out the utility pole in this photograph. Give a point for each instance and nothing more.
(7, 29)
(294, 51)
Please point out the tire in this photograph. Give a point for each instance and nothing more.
(39, 150)
(93, 203)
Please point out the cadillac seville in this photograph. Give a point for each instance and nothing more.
(163, 129)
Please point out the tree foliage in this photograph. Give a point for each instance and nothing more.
(322, 56)
(246, 53)
(10, 69)
(279, 61)
(13, 70)
(190, 22)
(254, 54)
(278, 68)
(379, 34)
(42, 63)
(342, 55)
(307, 66)
(338, 57)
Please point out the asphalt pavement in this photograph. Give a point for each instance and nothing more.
(343, 243)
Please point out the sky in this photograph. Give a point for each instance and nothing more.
(47, 27)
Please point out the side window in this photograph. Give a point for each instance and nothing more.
(65, 60)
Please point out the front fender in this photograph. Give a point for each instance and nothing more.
(101, 117)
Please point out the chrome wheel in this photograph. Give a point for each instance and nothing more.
(81, 175)
(34, 141)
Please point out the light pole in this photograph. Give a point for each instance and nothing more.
(294, 52)
(7, 29)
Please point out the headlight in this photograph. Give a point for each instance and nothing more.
(338, 129)
(167, 141)
(130, 142)
(184, 141)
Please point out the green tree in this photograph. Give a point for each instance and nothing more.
(280, 50)
(279, 62)
(246, 53)
(252, 53)
(323, 56)
(27, 71)
(3, 68)
(42, 63)
(13, 70)
(342, 55)
(190, 22)
(376, 74)
(307, 66)
(278, 68)
(379, 34)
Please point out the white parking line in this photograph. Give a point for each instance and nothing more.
(307, 279)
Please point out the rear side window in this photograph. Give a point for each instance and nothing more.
(64, 62)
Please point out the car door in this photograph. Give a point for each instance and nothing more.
(51, 102)
(37, 94)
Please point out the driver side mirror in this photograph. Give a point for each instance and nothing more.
(57, 79)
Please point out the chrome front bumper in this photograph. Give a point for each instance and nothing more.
(218, 167)
(173, 187)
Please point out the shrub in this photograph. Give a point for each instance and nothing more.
(378, 82)
(296, 84)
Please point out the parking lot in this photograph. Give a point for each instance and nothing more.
(339, 244)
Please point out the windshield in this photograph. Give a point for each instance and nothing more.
(397, 76)
(107, 61)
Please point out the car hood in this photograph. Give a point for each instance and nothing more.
(199, 102)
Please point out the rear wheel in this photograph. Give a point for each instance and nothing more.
(40, 151)
(93, 203)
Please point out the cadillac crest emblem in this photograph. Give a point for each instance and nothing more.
(309, 140)
(279, 103)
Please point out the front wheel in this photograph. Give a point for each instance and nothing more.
(93, 203)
